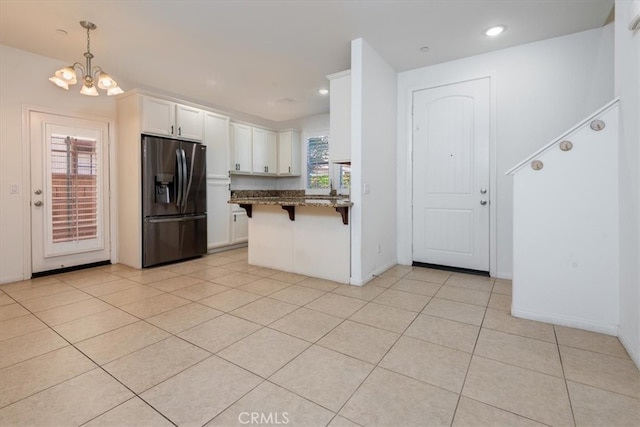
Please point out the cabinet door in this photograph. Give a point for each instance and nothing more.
(259, 140)
(289, 153)
(216, 138)
(241, 148)
(265, 160)
(239, 227)
(340, 118)
(271, 152)
(218, 213)
(158, 116)
(188, 122)
(284, 153)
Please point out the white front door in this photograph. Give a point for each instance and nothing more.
(69, 191)
(451, 134)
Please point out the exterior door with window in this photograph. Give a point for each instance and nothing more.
(69, 191)
(451, 134)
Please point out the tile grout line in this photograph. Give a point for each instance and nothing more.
(464, 381)
(564, 377)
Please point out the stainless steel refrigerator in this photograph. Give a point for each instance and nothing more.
(174, 200)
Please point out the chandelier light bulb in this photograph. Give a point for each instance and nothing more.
(59, 82)
(67, 74)
(89, 90)
(105, 81)
(114, 91)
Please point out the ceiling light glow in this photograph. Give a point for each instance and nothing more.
(494, 31)
(323, 91)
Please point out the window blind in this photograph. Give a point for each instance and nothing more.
(74, 189)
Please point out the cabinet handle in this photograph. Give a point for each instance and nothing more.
(234, 217)
(289, 169)
(179, 130)
(171, 129)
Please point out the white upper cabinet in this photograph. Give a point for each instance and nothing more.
(264, 151)
(340, 117)
(216, 138)
(159, 116)
(189, 122)
(166, 118)
(289, 153)
(241, 148)
(259, 151)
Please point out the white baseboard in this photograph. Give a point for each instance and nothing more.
(634, 353)
(378, 271)
(217, 249)
(11, 279)
(503, 275)
(572, 322)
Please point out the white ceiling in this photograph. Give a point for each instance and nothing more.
(268, 58)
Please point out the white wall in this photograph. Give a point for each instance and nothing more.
(627, 70)
(24, 82)
(565, 231)
(540, 89)
(373, 163)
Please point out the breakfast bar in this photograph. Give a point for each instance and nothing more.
(298, 233)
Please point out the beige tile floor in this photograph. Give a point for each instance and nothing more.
(218, 342)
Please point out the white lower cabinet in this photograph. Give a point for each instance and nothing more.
(239, 225)
(218, 214)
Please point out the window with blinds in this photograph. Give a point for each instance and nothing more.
(318, 162)
(74, 189)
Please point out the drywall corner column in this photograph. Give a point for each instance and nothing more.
(356, 162)
(373, 163)
(627, 87)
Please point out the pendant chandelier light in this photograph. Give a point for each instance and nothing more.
(90, 76)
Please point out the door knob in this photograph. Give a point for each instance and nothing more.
(483, 202)
(38, 192)
(38, 203)
(483, 191)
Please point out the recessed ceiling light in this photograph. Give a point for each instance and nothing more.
(323, 91)
(424, 49)
(494, 31)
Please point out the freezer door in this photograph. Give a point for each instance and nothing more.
(169, 239)
(161, 176)
(195, 194)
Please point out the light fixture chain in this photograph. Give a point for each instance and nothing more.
(88, 40)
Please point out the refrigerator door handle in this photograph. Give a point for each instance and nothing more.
(179, 180)
(184, 181)
(188, 186)
(178, 219)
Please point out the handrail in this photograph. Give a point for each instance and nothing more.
(559, 139)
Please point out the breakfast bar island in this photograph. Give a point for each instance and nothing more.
(298, 233)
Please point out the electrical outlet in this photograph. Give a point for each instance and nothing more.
(367, 189)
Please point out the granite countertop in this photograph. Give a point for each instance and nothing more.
(287, 198)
